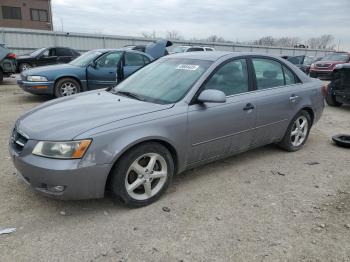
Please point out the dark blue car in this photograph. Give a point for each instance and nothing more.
(93, 70)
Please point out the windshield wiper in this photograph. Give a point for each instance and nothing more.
(129, 94)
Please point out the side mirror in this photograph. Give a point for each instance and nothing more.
(212, 96)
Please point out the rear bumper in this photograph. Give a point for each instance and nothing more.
(38, 88)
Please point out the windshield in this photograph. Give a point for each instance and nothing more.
(85, 58)
(165, 81)
(37, 52)
(336, 57)
(179, 49)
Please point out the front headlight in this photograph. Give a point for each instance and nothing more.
(62, 150)
(36, 79)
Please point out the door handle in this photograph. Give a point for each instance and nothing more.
(248, 107)
(293, 98)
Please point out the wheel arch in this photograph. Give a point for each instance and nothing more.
(164, 142)
(68, 76)
(310, 112)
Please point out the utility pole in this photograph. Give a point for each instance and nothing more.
(50, 15)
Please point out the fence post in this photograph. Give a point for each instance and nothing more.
(104, 41)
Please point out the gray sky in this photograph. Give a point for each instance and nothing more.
(240, 20)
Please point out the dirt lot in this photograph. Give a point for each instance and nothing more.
(263, 205)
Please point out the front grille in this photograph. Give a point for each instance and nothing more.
(23, 78)
(18, 141)
(323, 65)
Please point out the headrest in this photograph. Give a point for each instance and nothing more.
(270, 74)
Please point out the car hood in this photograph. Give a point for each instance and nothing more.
(65, 118)
(321, 62)
(25, 56)
(43, 70)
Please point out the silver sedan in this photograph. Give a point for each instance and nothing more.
(179, 112)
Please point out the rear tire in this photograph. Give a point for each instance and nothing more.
(297, 132)
(1, 76)
(66, 87)
(331, 100)
(142, 174)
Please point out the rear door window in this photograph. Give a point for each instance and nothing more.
(133, 59)
(289, 76)
(268, 73)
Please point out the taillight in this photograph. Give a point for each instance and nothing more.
(11, 56)
(324, 90)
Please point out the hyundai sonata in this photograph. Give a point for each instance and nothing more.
(178, 112)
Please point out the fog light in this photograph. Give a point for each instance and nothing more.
(56, 189)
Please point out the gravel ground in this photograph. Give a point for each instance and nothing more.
(263, 205)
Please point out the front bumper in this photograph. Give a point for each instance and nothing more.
(322, 74)
(38, 88)
(79, 180)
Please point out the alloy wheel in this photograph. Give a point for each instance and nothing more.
(68, 89)
(146, 176)
(299, 131)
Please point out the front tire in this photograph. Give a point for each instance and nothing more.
(67, 87)
(297, 132)
(142, 174)
(1, 76)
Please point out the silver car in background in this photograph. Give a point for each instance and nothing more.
(179, 112)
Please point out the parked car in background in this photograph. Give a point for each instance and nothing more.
(179, 112)
(93, 70)
(301, 46)
(184, 49)
(339, 87)
(323, 68)
(303, 62)
(7, 62)
(46, 56)
(143, 48)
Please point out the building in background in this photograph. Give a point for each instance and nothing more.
(30, 14)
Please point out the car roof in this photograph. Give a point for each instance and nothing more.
(106, 50)
(216, 55)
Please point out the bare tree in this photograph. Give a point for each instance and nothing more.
(286, 41)
(322, 42)
(149, 34)
(215, 38)
(173, 35)
(265, 41)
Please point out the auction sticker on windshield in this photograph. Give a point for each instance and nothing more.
(187, 67)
